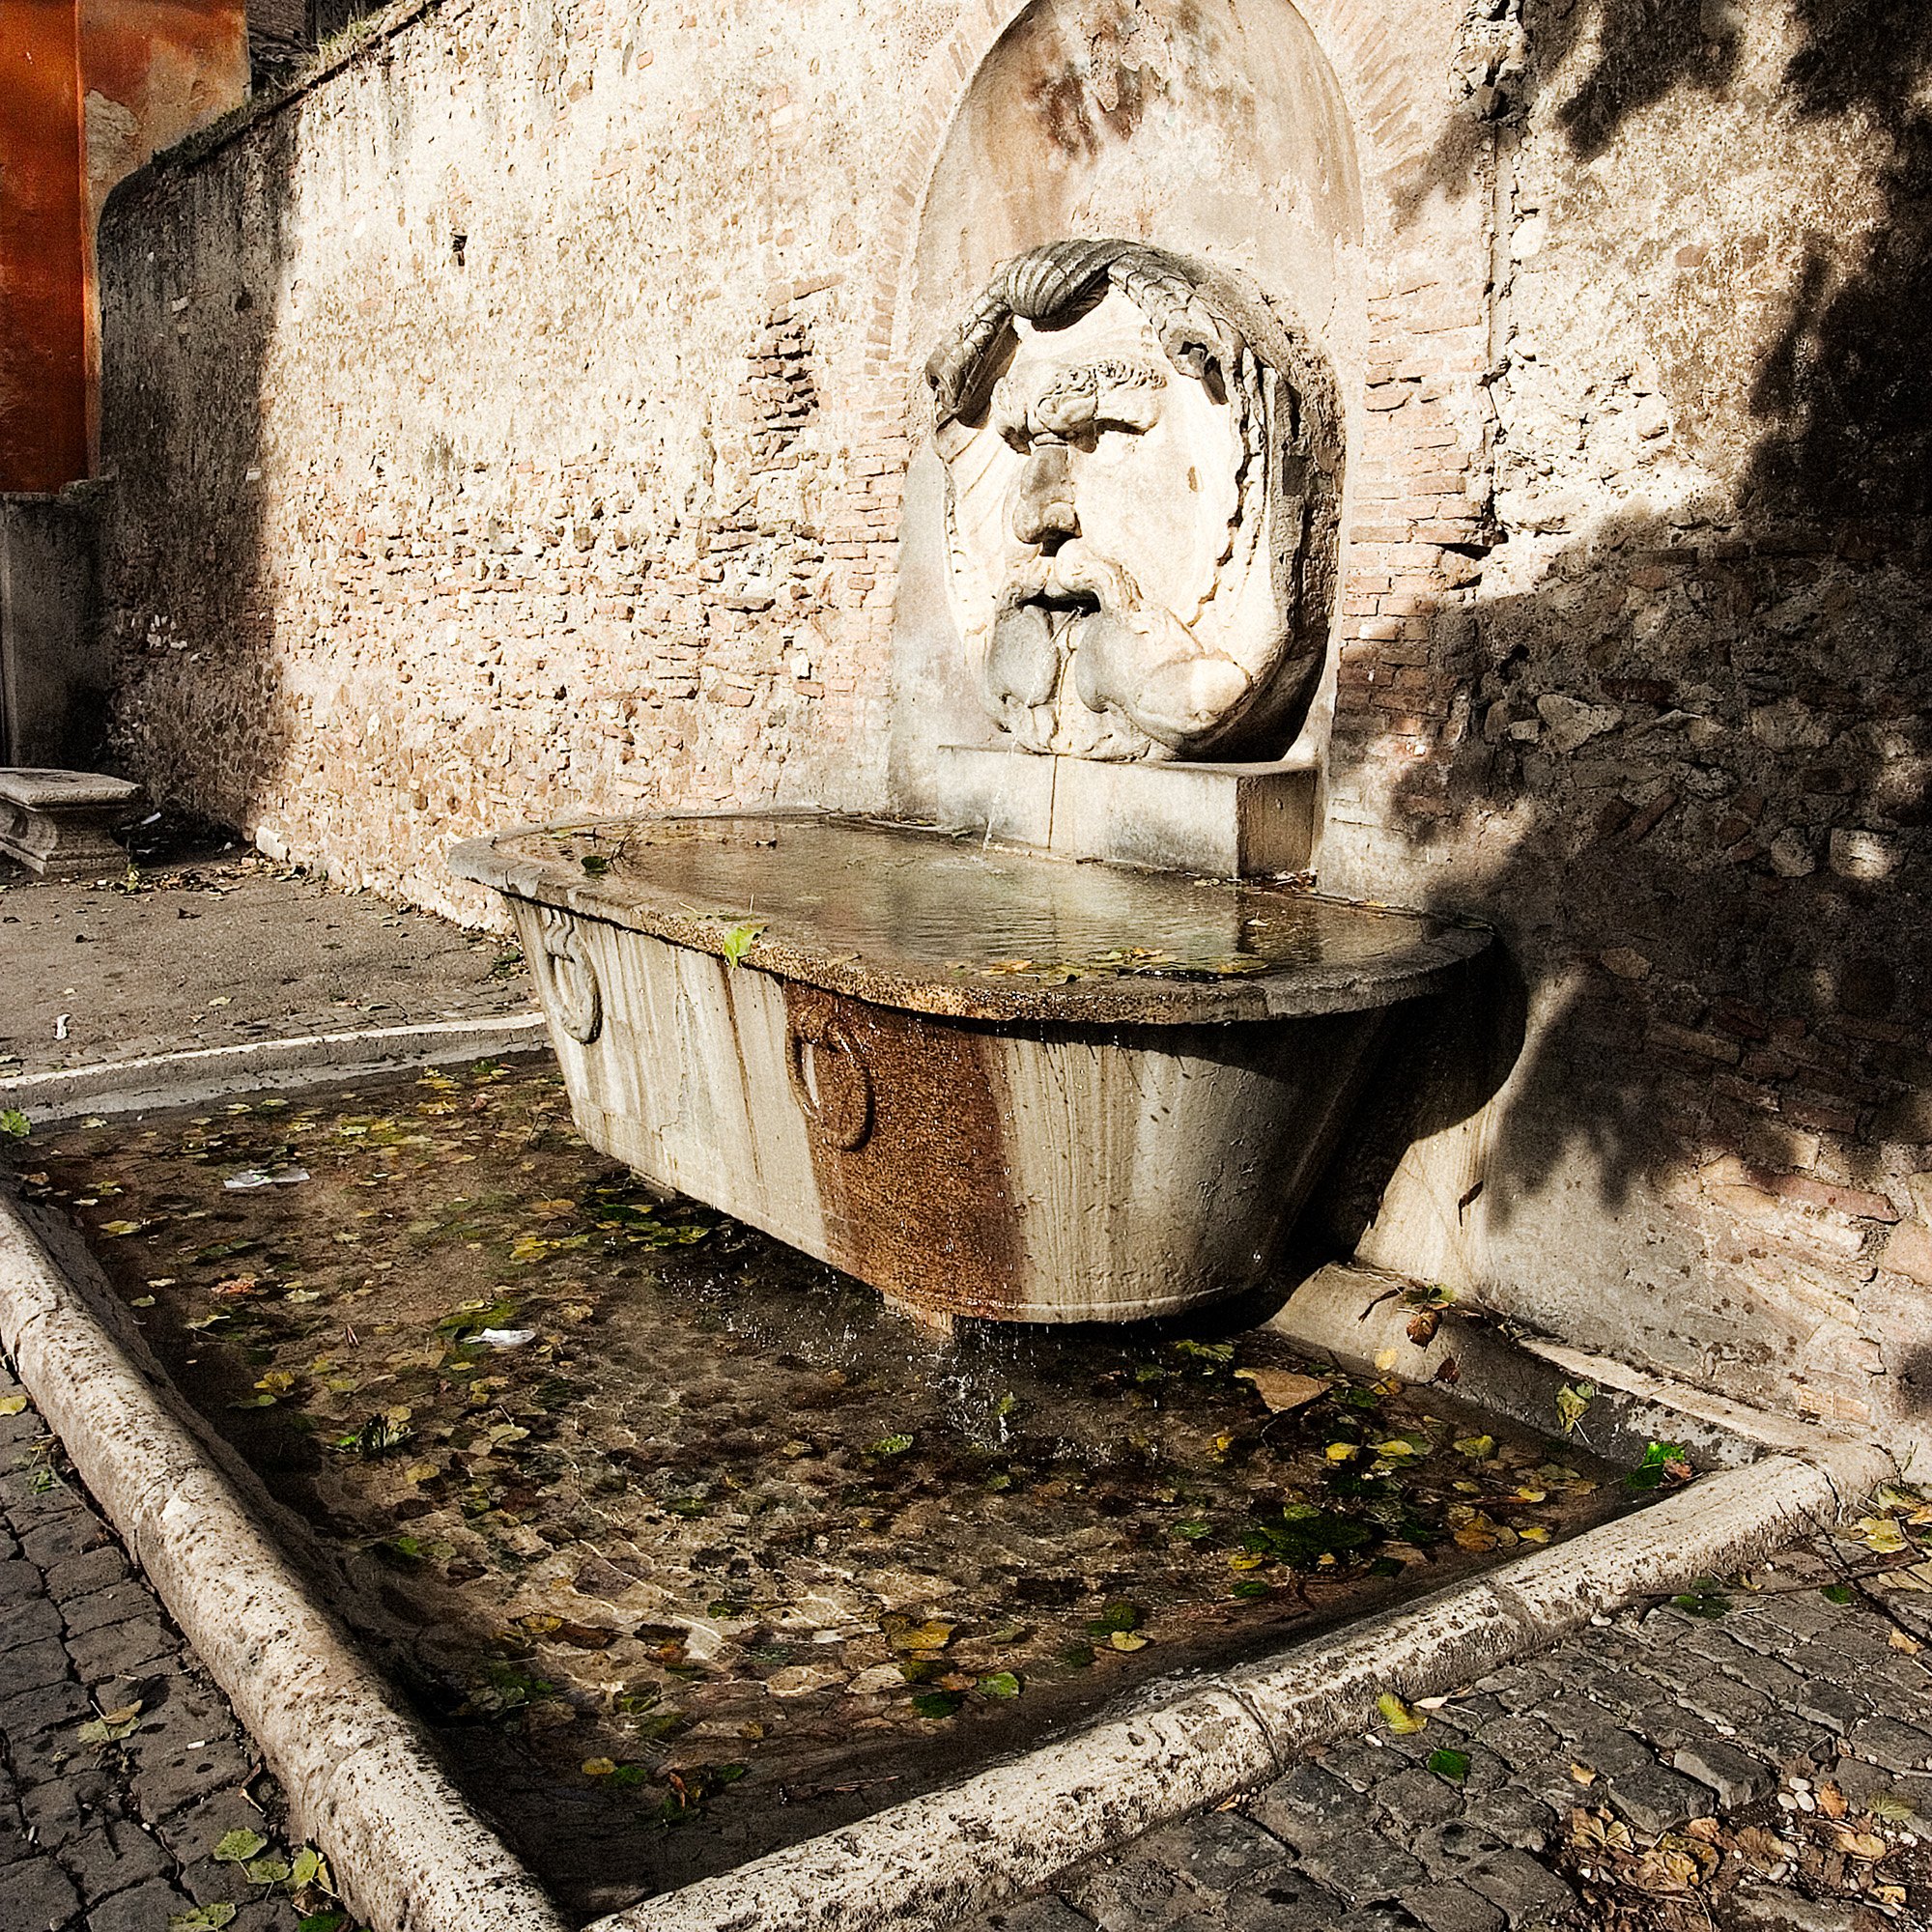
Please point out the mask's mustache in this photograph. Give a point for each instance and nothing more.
(1070, 579)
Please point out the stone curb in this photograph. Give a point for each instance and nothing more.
(362, 1782)
(201, 1073)
(1011, 1828)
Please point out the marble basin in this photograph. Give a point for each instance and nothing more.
(990, 1083)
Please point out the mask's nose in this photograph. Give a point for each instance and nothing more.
(1043, 512)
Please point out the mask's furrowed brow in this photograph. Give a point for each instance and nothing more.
(1111, 393)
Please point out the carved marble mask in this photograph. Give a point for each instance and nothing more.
(1129, 525)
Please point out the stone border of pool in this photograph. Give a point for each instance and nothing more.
(1012, 1827)
(251, 1066)
(365, 1784)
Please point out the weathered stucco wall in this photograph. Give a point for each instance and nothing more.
(518, 421)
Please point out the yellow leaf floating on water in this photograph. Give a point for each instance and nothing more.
(932, 1634)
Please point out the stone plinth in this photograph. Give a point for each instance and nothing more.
(61, 822)
(1235, 821)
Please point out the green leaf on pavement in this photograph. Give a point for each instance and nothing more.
(203, 1919)
(237, 1848)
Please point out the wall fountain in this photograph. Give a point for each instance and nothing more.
(1072, 1049)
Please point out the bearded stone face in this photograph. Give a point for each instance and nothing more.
(1142, 488)
(1093, 510)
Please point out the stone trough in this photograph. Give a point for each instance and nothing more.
(990, 1083)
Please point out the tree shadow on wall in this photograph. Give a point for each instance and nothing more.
(1690, 770)
(1845, 397)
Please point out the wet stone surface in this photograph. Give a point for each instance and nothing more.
(688, 1546)
(907, 917)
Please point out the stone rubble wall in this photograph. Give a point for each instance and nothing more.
(515, 423)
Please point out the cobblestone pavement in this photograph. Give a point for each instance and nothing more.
(1733, 1765)
(114, 1833)
(1755, 1761)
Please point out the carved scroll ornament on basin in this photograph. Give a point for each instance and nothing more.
(566, 981)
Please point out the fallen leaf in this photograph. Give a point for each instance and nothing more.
(1282, 1389)
(12, 1405)
(1401, 1718)
(239, 1847)
(1573, 1403)
(1866, 1845)
(209, 1919)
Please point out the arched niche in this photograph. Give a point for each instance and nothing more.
(1215, 128)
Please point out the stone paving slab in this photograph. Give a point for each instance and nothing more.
(117, 1834)
(1585, 1771)
(224, 952)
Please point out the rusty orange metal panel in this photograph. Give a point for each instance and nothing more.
(151, 72)
(44, 403)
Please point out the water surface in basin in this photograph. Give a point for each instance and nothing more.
(686, 1547)
(904, 908)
